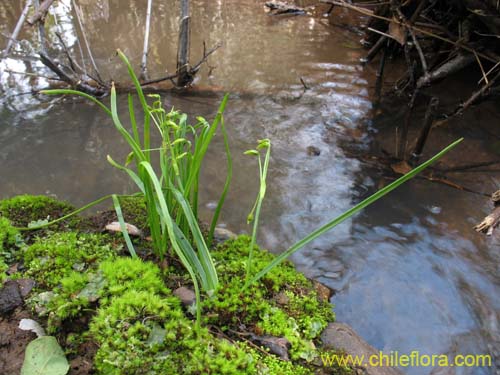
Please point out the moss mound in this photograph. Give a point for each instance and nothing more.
(283, 303)
(52, 258)
(90, 295)
(24, 209)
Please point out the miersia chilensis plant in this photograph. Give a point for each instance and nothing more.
(171, 194)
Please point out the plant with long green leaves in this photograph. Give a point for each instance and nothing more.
(333, 223)
(171, 198)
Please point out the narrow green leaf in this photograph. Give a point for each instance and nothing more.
(229, 176)
(79, 93)
(349, 213)
(123, 227)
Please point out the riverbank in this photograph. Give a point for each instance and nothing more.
(113, 314)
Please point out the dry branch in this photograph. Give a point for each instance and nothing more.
(40, 12)
(492, 221)
(144, 62)
(17, 29)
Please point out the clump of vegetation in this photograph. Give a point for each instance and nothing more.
(140, 332)
(25, 209)
(9, 236)
(283, 303)
(52, 258)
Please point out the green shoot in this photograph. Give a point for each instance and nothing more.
(255, 213)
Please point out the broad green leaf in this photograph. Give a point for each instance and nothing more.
(44, 356)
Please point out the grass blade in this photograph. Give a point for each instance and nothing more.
(204, 254)
(123, 226)
(346, 215)
(229, 176)
(79, 93)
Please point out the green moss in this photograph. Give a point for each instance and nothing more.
(141, 328)
(9, 236)
(300, 318)
(114, 277)
(23, 209)
(3, 268)
(125, 273)
(142, 333)
(55, 257)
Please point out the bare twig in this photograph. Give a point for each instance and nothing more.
(374, 50)
(401, 151)
(17, 29)
(40, 12)
(452, 66)
(79, 16)
(463, 168)
(206, 54)
(72, 81)
(424, 132)
(380, 74)
(169, 77)
(415, 28)
(72, 63)
(33, 75)
(478, 95)
(144, 63)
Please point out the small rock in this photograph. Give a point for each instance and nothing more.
(276, 345)
(10, 297)
(340, 336)
(25, 286)
(223, 234)
(313, 151)
(131, 229)
(186, 295)
(324, 292)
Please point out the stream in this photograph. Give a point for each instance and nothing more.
(409, 272)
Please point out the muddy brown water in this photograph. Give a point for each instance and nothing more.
(410, 273)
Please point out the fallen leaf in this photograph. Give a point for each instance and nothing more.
(398, 32)
(401, 168)
(44, 356)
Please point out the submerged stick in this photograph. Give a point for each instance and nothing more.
(424, 132)
(41, 29)
(184, 76)
(144, 63)
(380, 74)
(401, 150)
(87, 45)
(17, 29)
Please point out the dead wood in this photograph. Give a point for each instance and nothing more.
(492, 221)
(424, 131)
(184, 76)
(17, 29)
(454, 65)
(144, 62)
(40, 12)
